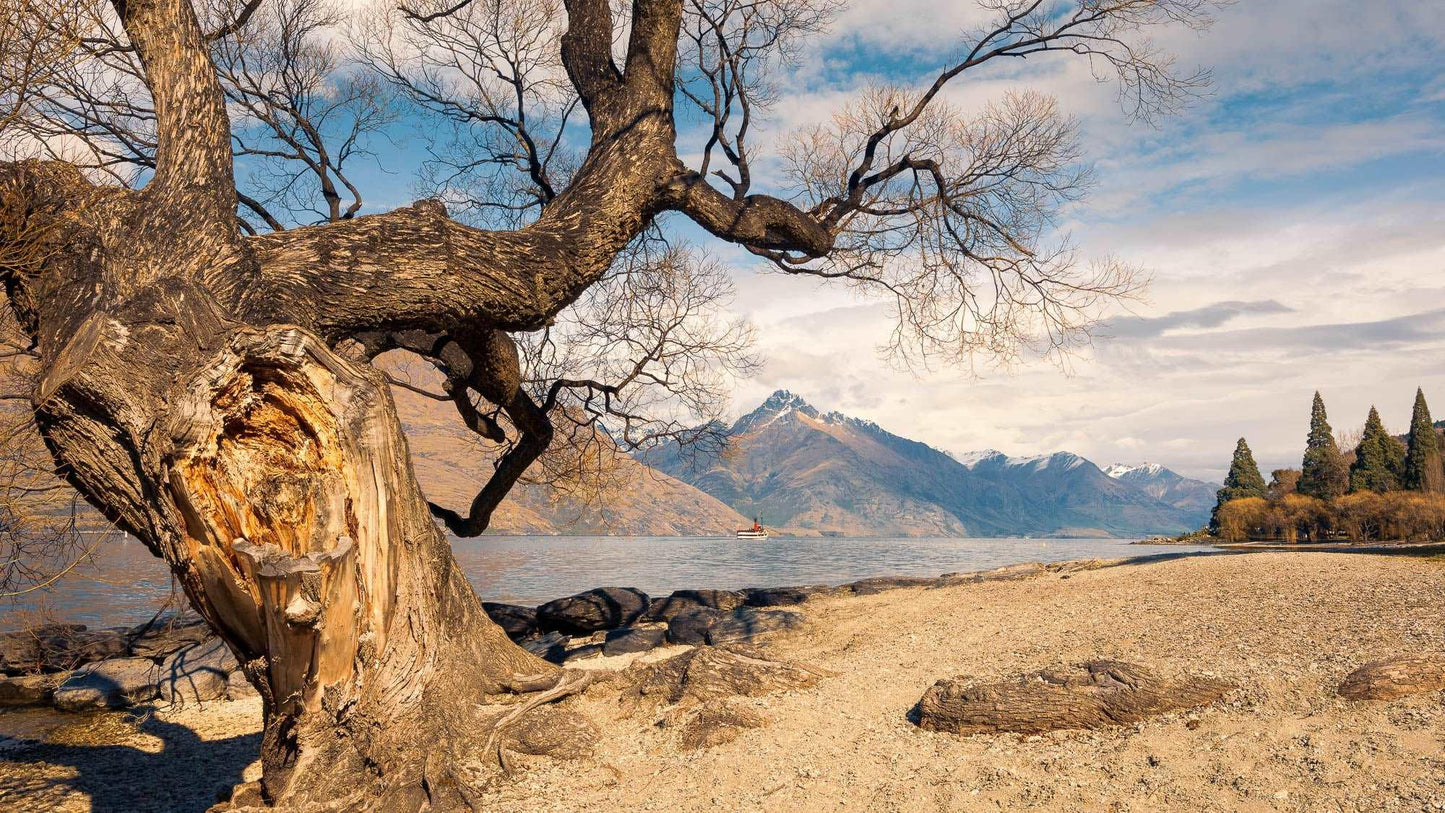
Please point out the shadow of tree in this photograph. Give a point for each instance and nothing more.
(188, 774)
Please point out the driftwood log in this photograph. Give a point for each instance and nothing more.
(1392, 678)
(1091, 695)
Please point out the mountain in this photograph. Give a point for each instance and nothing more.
(803, 470)
(1072, 495)
(452, 464)
(1193, 496)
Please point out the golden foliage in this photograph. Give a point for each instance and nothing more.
(1360, 517)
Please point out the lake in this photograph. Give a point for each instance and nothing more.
(125, 584)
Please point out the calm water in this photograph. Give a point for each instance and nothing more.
(126, 583)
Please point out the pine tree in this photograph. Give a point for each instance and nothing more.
(1324, 474)
(1243, 480)
(1379, 458)
(1422, 463)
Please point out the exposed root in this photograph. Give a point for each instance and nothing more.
(569, 683)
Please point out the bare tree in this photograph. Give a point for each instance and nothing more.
(301, 113)
(191, 390)
(299, 109)
(490, 72)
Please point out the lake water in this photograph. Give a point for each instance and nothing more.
(126, 583)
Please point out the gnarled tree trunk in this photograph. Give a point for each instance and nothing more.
(192, 390)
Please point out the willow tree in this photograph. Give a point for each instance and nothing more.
(194, 387)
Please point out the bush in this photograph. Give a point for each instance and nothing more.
(1364, 516)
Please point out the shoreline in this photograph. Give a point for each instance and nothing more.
(1285, 627)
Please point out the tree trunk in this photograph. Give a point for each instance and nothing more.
(191, 393)
(273, 477)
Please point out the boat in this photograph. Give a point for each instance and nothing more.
(755, 532)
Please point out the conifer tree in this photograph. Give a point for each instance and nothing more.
(1379, 458)
(1243, 480)
(1324, 474)
(1422, 463)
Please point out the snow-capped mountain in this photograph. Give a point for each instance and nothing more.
(1185, 493)
(798, 467)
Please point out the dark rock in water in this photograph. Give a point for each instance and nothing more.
(517, 621)
(1090, 695)
(111, 684)
(868, 587)
(749, 624)
(197, 673)
(28, 690)
(634, 639)
(58, 648)
(683, 601)
(691, 627)
(550, 647)
(780, 596)
(238, 687)
(167, 635)
(603, 608)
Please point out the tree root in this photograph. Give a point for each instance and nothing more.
(569, 682)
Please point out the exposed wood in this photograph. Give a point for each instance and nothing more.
(1396, 677)
(1091, 695)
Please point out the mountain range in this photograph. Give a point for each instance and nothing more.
(805, 471)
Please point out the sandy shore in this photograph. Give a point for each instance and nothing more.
(1285, 627)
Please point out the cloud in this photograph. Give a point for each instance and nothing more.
(1136, 327)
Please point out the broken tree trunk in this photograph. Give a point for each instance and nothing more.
(276, 480)
(1091, 695)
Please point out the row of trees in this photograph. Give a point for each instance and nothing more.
(1383, 488)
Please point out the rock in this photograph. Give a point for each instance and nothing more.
(167, 635)
(1091, 695)
(111, 684)
(58, 648)
(603, 608)
(779, 596)
(691, 627)
(197, 673)
(517, 621)
(23, 651)
(634, 639)
(1392, 678)
(238, 687)
(28, 690)
(749, 624)
(868, 587)
(682, 601)
(550, 647)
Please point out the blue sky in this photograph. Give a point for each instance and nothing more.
(1293, 223)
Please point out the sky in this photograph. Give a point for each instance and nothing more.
(1293, 224)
